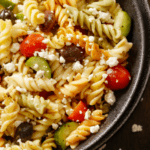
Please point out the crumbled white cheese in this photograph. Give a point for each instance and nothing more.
(69, 36)
(45, 41)
(10, 67)
(94, 129)
(15, 47)
(87, 114)
(93, 10)
(60, 123)
(64, 101)
(22, 90)
(30, 31)
(80, 112)
(77, 66)
(55, 126)
(36, 66)
(20, 39)
(40, 74)
(112, 61)
(104, 76)
(20, 7)
(18, 21)
(110, 97)
(136, 128)
(62, 60)
(77, 36)
(109, 71)
(68, 43)
(105, 17)
(102, 61)
(91, 38)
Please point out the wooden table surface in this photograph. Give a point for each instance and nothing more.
(125, 139)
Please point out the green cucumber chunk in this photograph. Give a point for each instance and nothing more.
(7, 4)
(123, 21)
(39, 63)
(63, 132)
(20, 16)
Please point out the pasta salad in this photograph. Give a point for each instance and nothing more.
(61, 61)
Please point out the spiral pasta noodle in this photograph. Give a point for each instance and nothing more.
(9, 114)
(59, 12)
(19, 29)
(19, 61)
(31, 84)
(83, 130)
(49, 143)
(5, 40)
(103, 30)
(32, 13)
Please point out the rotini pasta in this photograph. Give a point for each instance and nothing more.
(31, 11)
(83, 130)
(30, 83)
(5, 40)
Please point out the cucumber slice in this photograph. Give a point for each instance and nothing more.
(20, 16)
(123, 21)
(7, 4)
(38, 63)
(63, 132)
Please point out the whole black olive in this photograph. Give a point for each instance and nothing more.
(7, 14)
(24, 132)
(49, 21)
(72, 53)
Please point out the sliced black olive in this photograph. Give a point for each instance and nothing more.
(72, 53)
(24, 132)
(7, 14)
(49, 21)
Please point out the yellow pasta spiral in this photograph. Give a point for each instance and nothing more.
(83, 130)
(32, 12)
(9, 113)
(5, 40)
(59, 12)
(49, 143)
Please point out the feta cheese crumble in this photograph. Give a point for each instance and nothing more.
(40, 74)
(22, 90)
(91, 38)
(87, 114)
(112, 61)
(10, 67)
(77, 66)
(55, 126)
(62, 60)
(110, 97)
(15, 47)
(94, 129)
(136, 128)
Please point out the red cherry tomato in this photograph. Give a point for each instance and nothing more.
(79, 112)
(118, 78)
(32, 43)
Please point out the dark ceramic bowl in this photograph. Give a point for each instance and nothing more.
(139, 67)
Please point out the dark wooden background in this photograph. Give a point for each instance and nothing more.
(125, 139)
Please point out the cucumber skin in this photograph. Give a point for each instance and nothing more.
(30, 63)
(125, 24)
(62, 133)
(7, 3)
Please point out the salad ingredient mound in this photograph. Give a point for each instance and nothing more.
(60, 65)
